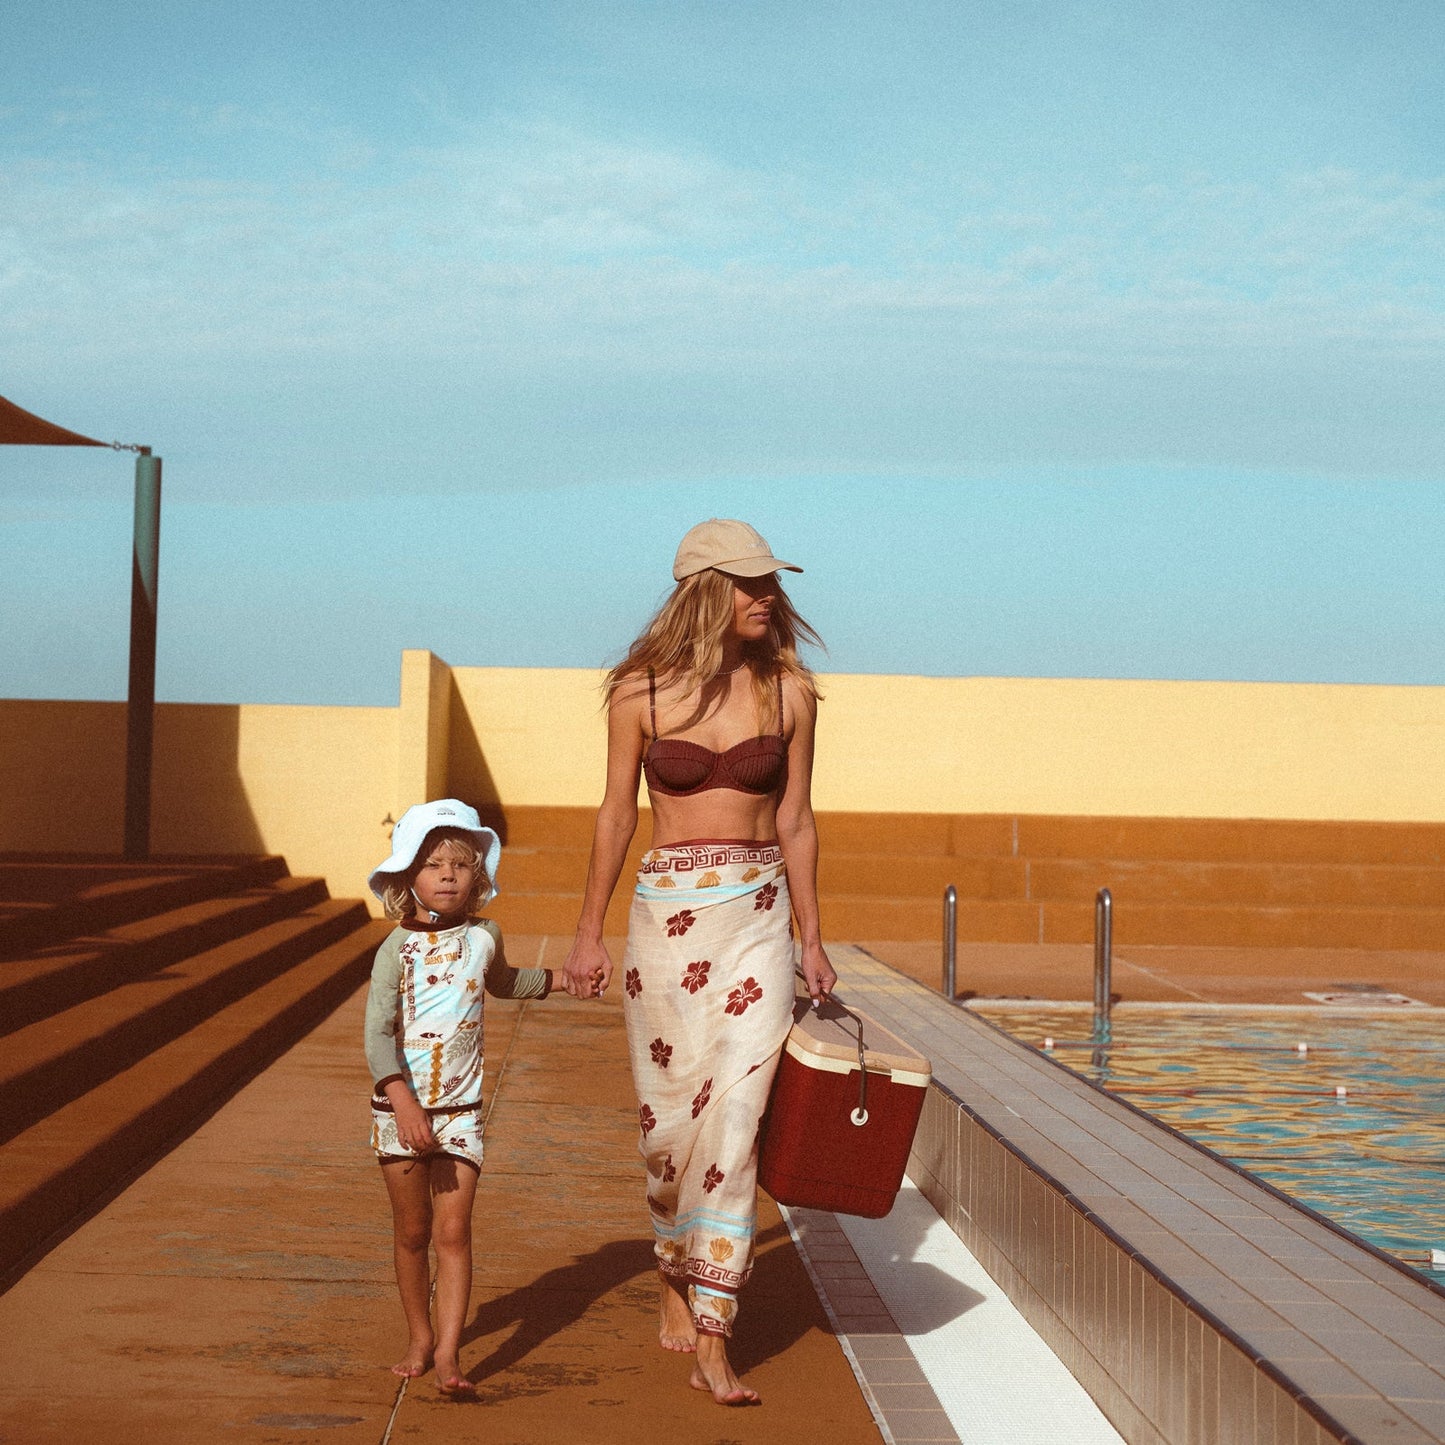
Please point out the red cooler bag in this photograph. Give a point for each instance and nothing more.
(844, 1107)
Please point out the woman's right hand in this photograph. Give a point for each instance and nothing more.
(588, 969)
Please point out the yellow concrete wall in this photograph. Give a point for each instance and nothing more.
(1152, 749)
(535, 736)
(315, 784)
(1015, 745)
(319, 784)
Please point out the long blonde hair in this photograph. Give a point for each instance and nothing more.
(683, 645)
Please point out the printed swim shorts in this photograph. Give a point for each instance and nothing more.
(458, 1131)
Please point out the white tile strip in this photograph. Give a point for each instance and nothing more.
(995, 1378)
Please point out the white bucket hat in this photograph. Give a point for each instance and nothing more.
(410, 833)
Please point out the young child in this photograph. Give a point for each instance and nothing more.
(424, 1048)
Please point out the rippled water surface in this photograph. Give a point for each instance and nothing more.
(1372, 1159)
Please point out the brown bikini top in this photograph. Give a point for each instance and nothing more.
(677, 768)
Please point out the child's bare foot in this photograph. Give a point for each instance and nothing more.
(675, 1329)
(713, 1372)
(417, 1360)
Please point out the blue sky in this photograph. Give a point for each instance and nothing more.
(1082, 339)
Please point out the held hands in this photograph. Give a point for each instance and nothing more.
(588, 969)
(818, 973)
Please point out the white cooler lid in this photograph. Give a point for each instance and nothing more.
(828, 1038)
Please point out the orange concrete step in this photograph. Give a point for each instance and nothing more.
(546, 827)
(74, 1157)
(1245, 840)
(47, 899)
(953, 835)
(912, 920)
(1263, 884)
(921, 876)
(564, 870)
(1251, 927)
(555, 912)
(529, 869)
(966, 835)
(54, 1060)
(60, 975)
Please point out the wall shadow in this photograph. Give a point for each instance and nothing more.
(468, 776)
(198, 801)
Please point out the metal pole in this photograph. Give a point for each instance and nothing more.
(1103, 957)
(141, 697)
(950, 943)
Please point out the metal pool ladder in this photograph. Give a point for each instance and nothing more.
(1103, 960)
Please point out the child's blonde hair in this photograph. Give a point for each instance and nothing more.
(396, 896)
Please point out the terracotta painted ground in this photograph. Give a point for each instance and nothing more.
(241, 1289)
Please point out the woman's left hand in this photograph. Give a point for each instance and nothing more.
(818, 973)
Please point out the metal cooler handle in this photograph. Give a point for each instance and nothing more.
(859, 1116)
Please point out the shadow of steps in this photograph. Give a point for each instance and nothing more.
(66, 1163)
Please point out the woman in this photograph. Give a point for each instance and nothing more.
(713, 706)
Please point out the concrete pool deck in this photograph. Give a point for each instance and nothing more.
(240, 1288)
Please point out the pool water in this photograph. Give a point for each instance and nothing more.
(1372, 1158)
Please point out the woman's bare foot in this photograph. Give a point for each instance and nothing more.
(675, 1329)
(713, 1372)
(451, 1381)
(417, 1361)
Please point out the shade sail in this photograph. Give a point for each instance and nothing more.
(23, 428)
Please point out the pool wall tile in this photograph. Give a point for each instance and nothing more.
(1178, 1307)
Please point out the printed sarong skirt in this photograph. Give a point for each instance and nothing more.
(708, 1001)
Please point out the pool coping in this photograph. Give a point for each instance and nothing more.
(905, 1406)
(1194, 1303)
(1318, 1216)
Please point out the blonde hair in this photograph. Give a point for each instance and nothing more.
(396, 896)
(683, 644)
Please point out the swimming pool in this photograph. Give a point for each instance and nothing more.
(1352, 1125)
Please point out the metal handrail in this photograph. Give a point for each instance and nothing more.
(1103, 958)
(950, 943)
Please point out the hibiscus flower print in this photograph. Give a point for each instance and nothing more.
(661, 1053)
(767, 896)
(747, 992)
(647, 1119)
(712, 1178)
(669, 1170)
(632, 981)
(696, 975)
(680, 922)
(699, 1102)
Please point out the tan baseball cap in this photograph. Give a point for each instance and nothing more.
(732, 547)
